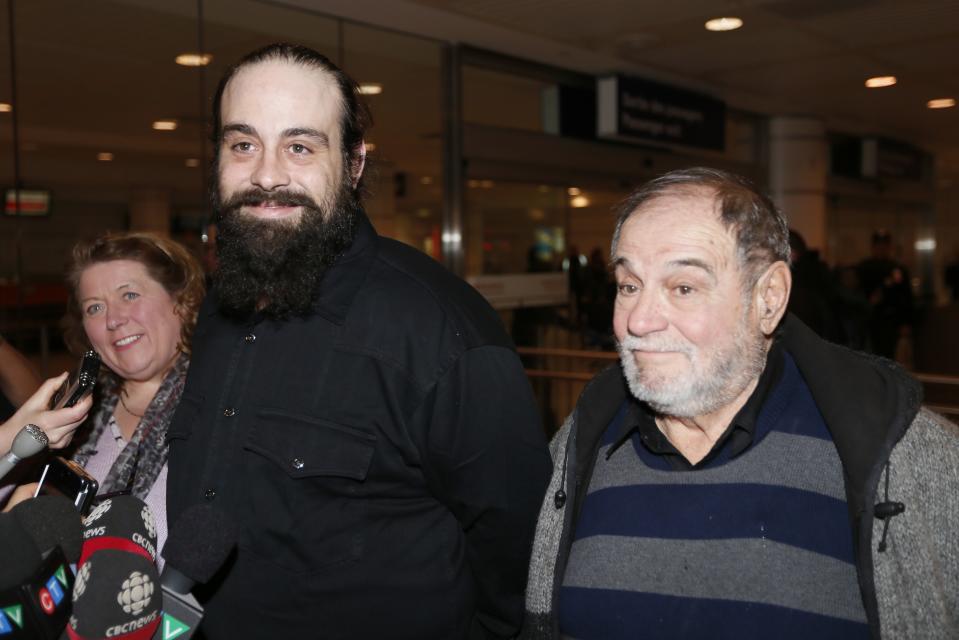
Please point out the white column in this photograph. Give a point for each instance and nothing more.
(798, 168)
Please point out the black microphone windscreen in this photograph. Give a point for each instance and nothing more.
(52, 520)
(200, 541)
(19, 555)
(116, 594)
(125, 518)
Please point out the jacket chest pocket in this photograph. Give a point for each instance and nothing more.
(303, 478)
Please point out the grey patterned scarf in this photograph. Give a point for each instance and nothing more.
(143, 457)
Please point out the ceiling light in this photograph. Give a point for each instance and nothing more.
(104, 156)
(165, 125)
(728, 23)
(192, 162)
(574, 191)
(370, 147)
(579, 202)
(5, 107)
(194, 59)
(371, 89)
(941, 103)
(880, 81)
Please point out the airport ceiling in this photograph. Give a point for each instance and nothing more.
(791, 56)
(806, 57)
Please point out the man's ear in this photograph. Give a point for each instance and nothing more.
(358, 163)
(772, 295)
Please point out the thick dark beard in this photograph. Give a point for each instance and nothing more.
(275, 266)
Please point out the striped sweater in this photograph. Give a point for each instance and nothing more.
(756, 547)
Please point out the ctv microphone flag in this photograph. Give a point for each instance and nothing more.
(40, 606)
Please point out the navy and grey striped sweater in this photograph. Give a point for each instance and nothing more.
(755, 547)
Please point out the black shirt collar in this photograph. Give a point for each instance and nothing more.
(737, 437)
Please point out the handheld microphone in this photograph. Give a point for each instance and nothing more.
(52, 520)
(116, 595)
(33, 589)
(122, 522)
(117, 591)
(30, 440)
(19, 555)
(197, 547)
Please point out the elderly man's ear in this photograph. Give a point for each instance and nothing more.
(772, 296)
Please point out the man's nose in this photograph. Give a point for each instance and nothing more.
(270, 172)
(646, 314)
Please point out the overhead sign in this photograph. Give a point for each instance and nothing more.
(633, 109)
(885, 158)
(35, 202)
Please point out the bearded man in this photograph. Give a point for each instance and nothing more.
(735, 476)
(359, 411)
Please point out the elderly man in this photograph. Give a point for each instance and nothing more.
(357, 409)
(736, 476)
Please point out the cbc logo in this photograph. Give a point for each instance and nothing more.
(148, 521)
(83, 575)
(97, 512)
(135, 593)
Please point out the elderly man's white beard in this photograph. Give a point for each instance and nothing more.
(715, 379)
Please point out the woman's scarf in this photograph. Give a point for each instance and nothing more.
(143, 457)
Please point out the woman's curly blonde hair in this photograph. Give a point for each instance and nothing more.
(165, 260)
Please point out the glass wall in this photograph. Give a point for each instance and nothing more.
(95, 78)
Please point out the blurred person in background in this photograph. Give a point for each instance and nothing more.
(132, 297)
(886, 284)
(814, 298)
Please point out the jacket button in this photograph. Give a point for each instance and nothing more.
(209, 494)
(229, 412)
(250, 338)
(298, 463)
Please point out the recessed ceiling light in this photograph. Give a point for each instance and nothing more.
(192, 162)
(5, 107)
(881, 81)
(371, 89)
(727, 23)
(194, 59)
(104, 156)
(574, 191)
(370, 147)
(165, 125)
(941, 103)
(579, 202)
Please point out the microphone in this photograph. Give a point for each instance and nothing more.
(33, 588)
(29, 441)
(117, 590)
(196, 548)
(52, 520)
(123, 522)
(19, 555)
(116, 595)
